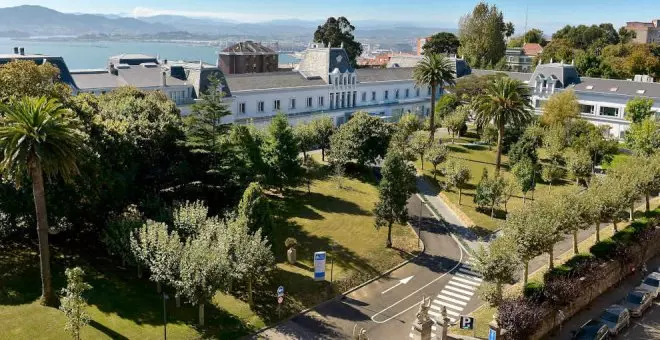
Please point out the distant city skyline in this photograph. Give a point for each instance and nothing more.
(547, 15)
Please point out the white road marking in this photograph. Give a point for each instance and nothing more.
(401, 282)
(454, 283)
(462, 291)
(469, 272)
(456, 295)
(474, 278)
(458, 302)
(449, 311)
(470, 282)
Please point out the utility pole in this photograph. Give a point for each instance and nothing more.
(525, 32)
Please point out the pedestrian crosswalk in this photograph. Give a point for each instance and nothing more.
(454, 296)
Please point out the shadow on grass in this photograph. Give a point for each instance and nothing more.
(107, 331)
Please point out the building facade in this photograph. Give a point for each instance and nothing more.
(645, 32)
(248, 57)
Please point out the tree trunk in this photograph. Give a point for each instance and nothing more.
(551, 258)
(524, 197)
(575, 243)
(177, 298)
(435, 171)
(304, 156)
(648, 202)
(201, 314)
(526, 274)
(139, 270)
(597, 224)
(389, 236)
(460, 193)
(616, 228)
(159, 289)
(498, 289)
(492, 210)
(421, 156)
(632, 211)
(249, 291)
(323, 154)
(39, 193)
(500, 137)
(434, 88)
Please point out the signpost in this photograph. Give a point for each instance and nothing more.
(467, 323)
(280, 300)
(492, 334)
(319, 266)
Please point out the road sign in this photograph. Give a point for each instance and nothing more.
(492, 335)
(467, 322)
(280, 291)
(280, 299)
(319, 266)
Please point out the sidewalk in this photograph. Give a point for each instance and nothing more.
(646, 327)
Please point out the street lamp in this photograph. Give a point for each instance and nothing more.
(165, 298)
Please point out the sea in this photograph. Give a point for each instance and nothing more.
(79, 54)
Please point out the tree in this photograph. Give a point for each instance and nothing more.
(363, 138)
(245, 143)
(525, 147)
(338, 32)
(498, 264)
(560, 108)
(525, 172)
(254, 210)
(489, 135)
(481, 34)
(324, 128)
(442, 43)
(594, 142)
(117, 234)
(638, 109)
(394, 189)
(489, 192)
(20, 78)
(510, 188)
(457, 175)
(446, 105)
(434, 71)
(189, 217)
(455, 122)
(535, 36)
(306, 136)
(73, 303)
(551, 173)
(437, 154)
(579, 165)
(505, 102)
(250, 253)
(280, 154)
(419, 144)
(509, 29)
(39, 136)
(644, 137)
(554, 142)
(158, 250)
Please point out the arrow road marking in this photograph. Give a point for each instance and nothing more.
(401, 282)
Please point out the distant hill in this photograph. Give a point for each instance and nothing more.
(38, 20)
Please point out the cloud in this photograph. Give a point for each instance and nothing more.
(232, 16)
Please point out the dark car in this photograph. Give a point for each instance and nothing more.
(638, 301)
(592, 330)
(616, 317)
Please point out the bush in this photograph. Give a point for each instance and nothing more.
(559, 271)
(519, 317)
(579, 260)
(290, 242)
(604, 249)
(560, 291)
(533, 291)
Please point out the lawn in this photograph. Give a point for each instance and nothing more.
(121, 306)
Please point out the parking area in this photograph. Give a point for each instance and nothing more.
(641, 328)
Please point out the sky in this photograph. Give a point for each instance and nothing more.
(549, 15)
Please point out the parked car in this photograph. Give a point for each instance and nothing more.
(638, 301)
(652, 284)
(616, 317)
(592, 330)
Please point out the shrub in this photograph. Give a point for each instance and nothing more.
(290, 242)
(533, 291)
(603, 249)
(563, 270)
(561, 290)
(579, 259)
(488, 292)
(519, 317)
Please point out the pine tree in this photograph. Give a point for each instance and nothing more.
(280, 154)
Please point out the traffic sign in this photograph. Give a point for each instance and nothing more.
(492, 335)
(280, 299)
(467, 322)
(319, 266)
(280, 291)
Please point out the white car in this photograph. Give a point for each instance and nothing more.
(651, 284)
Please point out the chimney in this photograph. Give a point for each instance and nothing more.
(15, 50)
(21, 51)
(163, 79)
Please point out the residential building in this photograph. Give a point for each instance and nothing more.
(645, 32)
(602, 101)
(521, 59)
(247, 57)
(420, 45)
(532, 49)
(19, 54)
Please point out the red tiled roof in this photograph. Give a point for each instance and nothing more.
(532, 50)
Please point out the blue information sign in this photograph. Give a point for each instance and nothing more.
(319, 266)
(492, 335)
(280, 291)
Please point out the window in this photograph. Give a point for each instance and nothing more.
(407, 93)
(373, 95)
(429, 91)
(343, 100)
(354, 97)
(332, 100)
(417, 92)
(353, 80)
(609, 111)
(588, 109)
(364, 96)
(276, 104)
(345, 80)
(260, 106)
(336, 81)
(396, 94)
(387, 94)
(292, 103)
(241, 107)
(321, 101)
(310, 101)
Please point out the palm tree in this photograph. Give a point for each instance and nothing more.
(505, 102)
(37, 136)
(434, 70)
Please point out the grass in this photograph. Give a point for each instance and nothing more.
(337, 220)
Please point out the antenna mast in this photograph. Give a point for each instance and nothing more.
(525, 32)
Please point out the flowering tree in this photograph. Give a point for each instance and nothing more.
(73, 303)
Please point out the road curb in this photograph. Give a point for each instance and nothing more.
(343, 295)
(438, 216)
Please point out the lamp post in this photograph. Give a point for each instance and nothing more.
(165, 298)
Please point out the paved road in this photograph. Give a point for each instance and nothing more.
(645, 328)
(386, 308)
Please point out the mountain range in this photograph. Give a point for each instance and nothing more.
(42, 21)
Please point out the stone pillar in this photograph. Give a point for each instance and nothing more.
(423, 325)
(445, 324)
